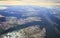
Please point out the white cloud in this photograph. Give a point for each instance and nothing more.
(1, 15)
(2, 8)
(30, 12)
(30, 19)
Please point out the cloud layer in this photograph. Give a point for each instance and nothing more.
(2, 8)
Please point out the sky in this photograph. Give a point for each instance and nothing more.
(45, 3)
(43, 0)
(37, 0)
(27, 3)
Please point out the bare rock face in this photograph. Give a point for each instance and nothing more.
(29, 32)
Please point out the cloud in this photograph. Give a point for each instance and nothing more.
(1, 15)
(30, 11)
(2, 8)
(30, 19)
